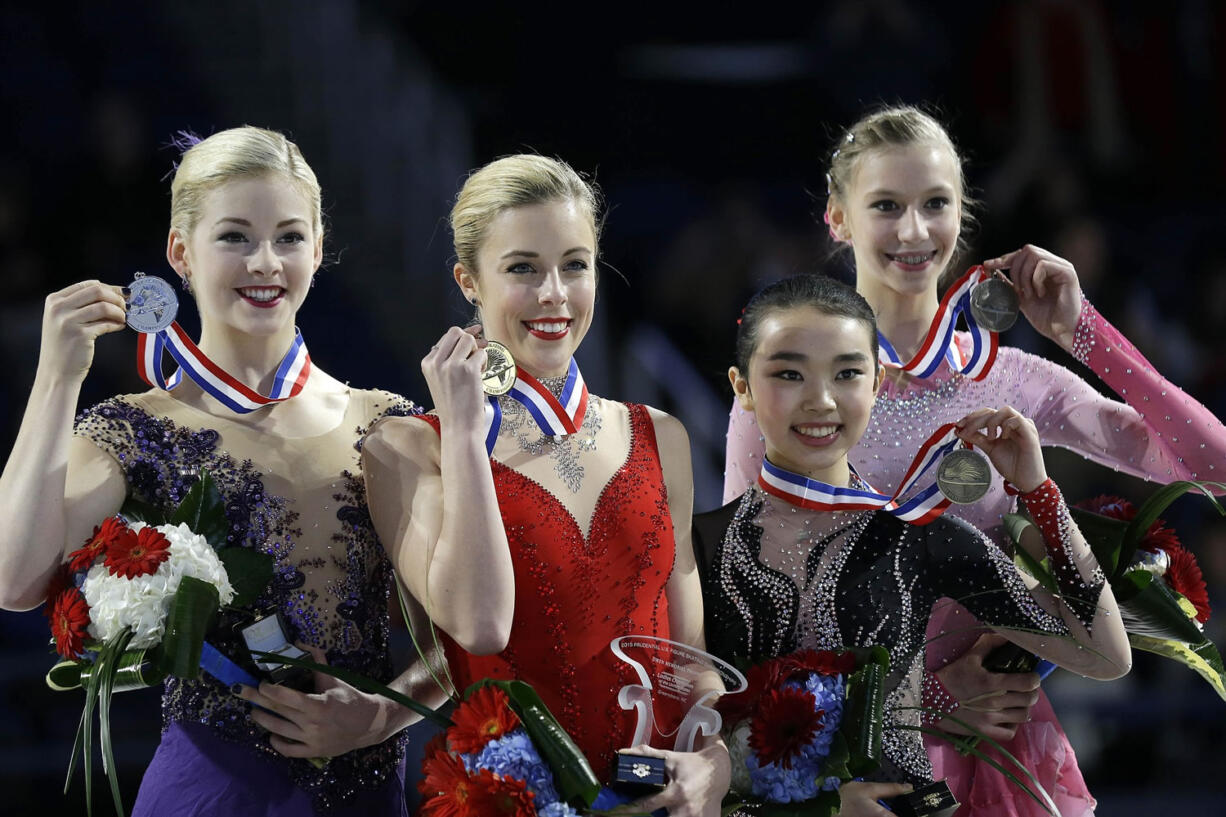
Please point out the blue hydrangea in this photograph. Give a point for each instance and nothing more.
(514, 756)
(772, 782)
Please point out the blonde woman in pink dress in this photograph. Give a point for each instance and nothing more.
(897, 199)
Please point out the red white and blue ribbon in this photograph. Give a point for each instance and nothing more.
(920, 509)
(556, 416)
(291, 376)
(940, 343)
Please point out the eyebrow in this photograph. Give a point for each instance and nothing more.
(244, 222)
(885, 192)
(530, 254)
(801, 357)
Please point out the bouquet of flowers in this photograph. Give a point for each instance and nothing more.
(807, 723)
(1156, 581)
(134, 603)
(504, 754)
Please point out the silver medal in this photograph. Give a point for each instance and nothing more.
(994, 304)
(152, 304)
(964, 476)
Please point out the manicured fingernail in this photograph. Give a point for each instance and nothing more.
(127, 293)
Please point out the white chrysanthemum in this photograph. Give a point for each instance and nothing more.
(738, 751)
(142, 603)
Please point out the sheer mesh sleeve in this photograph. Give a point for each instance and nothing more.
(1158, 432)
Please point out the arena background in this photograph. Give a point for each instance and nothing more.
(1092, 129)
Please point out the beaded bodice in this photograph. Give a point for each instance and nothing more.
(777, 578)
(575, 593)
(303, 502)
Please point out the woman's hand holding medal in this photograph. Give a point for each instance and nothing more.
(1010, 440)
(452, 369)
(1048, 291)
(73, 318)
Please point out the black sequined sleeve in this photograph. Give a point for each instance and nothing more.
(967, 567)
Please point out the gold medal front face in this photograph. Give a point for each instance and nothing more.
(499, 374)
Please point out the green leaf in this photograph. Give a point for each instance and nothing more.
(357, 681)
(969, 746)
(862, 713)
(1203, 658)
(107, 669)
(190, 616)
(1149, 608)
(1158, 502)
(572, 775)
(204, 511)
(249, 572)
(1105, 536)
(137, 510)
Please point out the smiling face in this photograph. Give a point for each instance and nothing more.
(250, 257)
(536, 283)
(811, 384)
(901, 215)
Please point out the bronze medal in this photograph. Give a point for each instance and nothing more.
(964, 476)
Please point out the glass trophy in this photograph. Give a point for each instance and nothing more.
(673, 699)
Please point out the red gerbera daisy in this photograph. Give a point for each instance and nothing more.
(69, 622)
(760, 679)
(1185, 578)
(825, 662)
(786, 720)
(137, 554)
(486, 715)
(493, 794)
(1158, 537)
(445, 785)
(104, 536)
(61, 580)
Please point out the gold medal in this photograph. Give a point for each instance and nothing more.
(499, 374)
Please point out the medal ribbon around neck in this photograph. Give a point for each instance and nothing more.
(556, 416)
(940, 344)
(291, 375)
(814, 495)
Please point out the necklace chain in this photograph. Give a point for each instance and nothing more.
(564, 451)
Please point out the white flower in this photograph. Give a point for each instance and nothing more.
(142, 603)
(738, 750)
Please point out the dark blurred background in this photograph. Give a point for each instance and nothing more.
(1092, 129)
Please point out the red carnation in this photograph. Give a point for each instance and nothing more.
(445, 785)
(69, 622)
(1185, 578)
(486, 715)
(105, 535)
(786, 720)
(137, 554)
(493, 794)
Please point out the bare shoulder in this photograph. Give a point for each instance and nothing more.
(671, 435)
(402, 437)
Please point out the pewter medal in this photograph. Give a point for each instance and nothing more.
(152, 304)
(994, 304)
(964, 476)
(499, 374)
